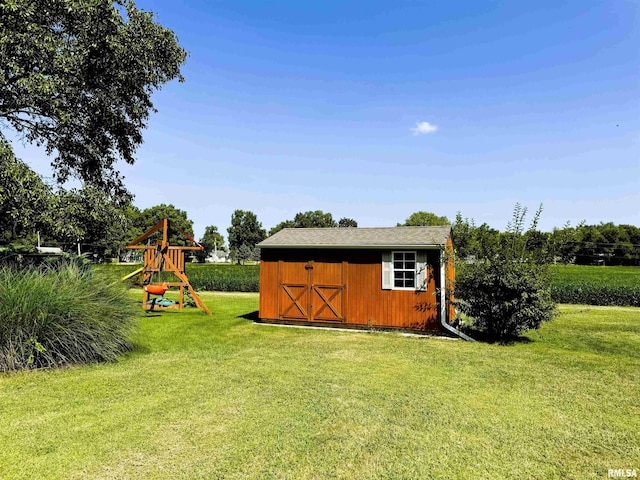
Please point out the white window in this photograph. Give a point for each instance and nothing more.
(404, 270)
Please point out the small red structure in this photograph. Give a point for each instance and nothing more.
(162, 257)
(392, 278)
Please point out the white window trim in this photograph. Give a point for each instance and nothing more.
(420, 278)
(415, 270)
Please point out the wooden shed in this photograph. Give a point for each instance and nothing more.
(389, 278)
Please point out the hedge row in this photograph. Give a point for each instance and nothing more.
(591, 294)
(225, 278)
(208, 277)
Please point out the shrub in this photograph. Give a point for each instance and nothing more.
(505, 298)
(61, 314)
(508, 290)
(225, 278)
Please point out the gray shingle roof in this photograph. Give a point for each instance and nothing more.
(358, 237)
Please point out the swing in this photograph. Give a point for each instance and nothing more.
(158, 289)
(163, 257)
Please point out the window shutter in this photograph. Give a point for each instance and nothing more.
(421, 270)
(387, 271)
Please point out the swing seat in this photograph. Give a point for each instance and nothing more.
(156, 289)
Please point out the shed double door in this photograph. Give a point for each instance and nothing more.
(311, 291)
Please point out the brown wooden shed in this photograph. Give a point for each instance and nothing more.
(388, 278)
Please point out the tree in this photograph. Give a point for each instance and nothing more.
(424, 219)
(132, 220)
(24, 198)
(89, 216)
(281, 225)
(473, 242)
(507, 291)
(462, 231)
(310, 219)
(178, 223)
(245, 230)
(211, 240)
(563, 245)
(606, 243)
(314, 219)
(486, 242)
(76, 76)
(347, 223)
(244, 253)
(628, 250)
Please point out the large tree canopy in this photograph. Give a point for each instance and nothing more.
(76, 76)
(310, 219)
(24, 197)
(178, 223)
(314, 219)
(245, 230)
(346, 222)
(92, 218)
(212, 239)
(424, 219)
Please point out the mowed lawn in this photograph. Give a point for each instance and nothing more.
(223, 397)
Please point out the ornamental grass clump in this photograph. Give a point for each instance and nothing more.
(62, 314)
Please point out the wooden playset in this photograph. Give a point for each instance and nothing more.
(159, 256)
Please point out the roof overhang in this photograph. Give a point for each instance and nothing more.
(376, 238)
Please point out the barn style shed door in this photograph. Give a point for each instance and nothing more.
(311, 291)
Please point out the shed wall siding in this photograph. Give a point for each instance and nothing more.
(268, 289)
(362, 302)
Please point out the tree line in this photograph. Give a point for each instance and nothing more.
(104, 226)
(31, 207)
(602, 244)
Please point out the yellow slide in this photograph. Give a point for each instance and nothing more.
(132, 273)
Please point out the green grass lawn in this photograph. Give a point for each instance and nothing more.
(222, 397)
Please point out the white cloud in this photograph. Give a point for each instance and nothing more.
(423, 128)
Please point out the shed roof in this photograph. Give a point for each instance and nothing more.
(393, 237)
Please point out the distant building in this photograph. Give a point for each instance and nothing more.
(49, 250)
(219, 256)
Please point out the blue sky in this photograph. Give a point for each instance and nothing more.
(295, 106)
